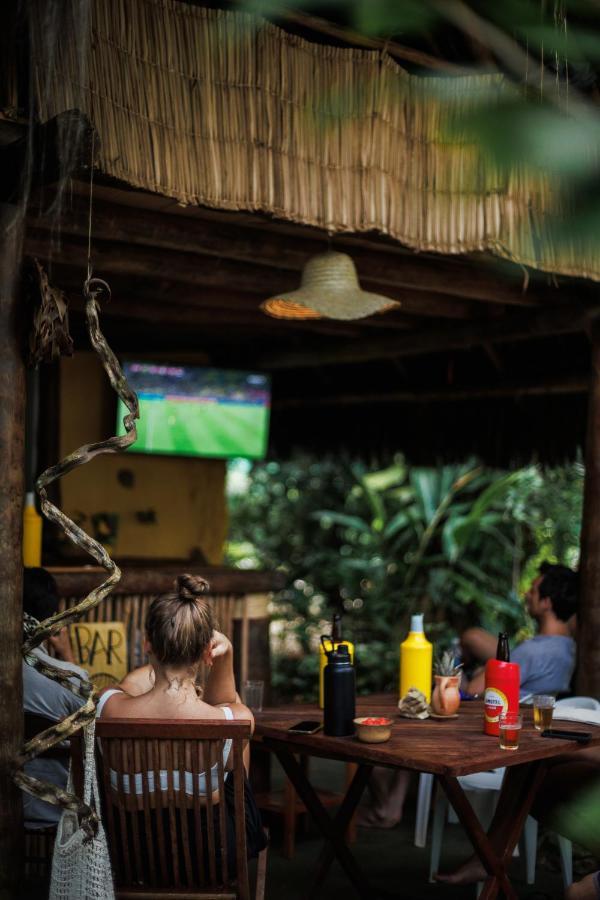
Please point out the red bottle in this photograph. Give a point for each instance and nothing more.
(502, 682)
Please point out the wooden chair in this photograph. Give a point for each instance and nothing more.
(165, 840)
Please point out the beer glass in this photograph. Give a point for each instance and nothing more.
(510, 730)
(543, 708)
(252, 695)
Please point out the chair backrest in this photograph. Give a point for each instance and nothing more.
(579, 702)
(166, 828)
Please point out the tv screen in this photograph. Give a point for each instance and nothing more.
(192, 411)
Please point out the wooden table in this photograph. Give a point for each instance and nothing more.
(446, 748)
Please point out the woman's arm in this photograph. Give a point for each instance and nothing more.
(220, 684)
(138, 682)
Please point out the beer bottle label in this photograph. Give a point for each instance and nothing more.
(495, 703)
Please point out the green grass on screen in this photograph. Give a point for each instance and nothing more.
(194, 429)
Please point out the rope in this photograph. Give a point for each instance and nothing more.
(37, 632)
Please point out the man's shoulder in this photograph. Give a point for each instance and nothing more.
(45, 697)
(540, 640)
(59, 663)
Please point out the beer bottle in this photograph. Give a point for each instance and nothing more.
(503, 650)
(501, 693)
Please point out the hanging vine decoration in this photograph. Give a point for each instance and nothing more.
(36, 633)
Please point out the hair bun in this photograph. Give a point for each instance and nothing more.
(189, 587)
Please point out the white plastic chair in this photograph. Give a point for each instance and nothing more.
(484, 788)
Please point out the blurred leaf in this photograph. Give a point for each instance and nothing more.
(574, 44)
(388, 18)
(341, 519)
(515, 132)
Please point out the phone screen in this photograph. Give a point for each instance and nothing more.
(305, 727)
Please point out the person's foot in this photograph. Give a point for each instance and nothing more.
(586, 889)
(470, 872)
(371, 818)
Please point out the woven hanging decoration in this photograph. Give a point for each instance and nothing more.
(329, 289)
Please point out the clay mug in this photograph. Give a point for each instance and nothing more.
(446, 695)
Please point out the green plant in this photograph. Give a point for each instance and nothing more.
(444, 665)
(381, 543)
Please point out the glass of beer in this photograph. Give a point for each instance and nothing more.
(510, 729)
(543, 708)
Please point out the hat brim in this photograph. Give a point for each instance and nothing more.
(345, 305)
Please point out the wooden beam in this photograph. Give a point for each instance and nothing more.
(383, 264)
(170, 310)
(75, 581)
(348, 36)
(12, 435)
(201, 271)
(43, 149)
(524, 326)
(588, 617)
(574, 385)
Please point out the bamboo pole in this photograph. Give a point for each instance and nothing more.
(12, 429)
(588, 672)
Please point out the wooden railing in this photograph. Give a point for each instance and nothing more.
(240, 600)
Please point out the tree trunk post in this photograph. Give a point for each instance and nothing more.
(588, 645)
(12, 429)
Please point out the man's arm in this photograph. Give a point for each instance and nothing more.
(476, 685)
(477, 645)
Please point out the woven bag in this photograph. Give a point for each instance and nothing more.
(82, 869)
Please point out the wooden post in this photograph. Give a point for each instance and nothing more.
(588, 668)
(12, 430)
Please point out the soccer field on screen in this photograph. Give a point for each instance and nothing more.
(185, 428)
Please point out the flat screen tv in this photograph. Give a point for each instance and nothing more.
(192, 411)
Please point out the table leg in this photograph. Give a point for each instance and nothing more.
(495, 848)
(342, 817)
(332, 829)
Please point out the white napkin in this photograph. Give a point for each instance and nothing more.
(575, 714)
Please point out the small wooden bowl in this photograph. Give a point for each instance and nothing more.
(373, 734)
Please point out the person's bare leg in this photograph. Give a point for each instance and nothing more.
(473, 870)
(565, 776)
(387, 789)
(477, 645)
(470, 872)
(586, 889)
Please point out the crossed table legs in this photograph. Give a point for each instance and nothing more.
(494, 849)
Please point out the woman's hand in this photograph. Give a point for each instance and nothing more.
(220, 646)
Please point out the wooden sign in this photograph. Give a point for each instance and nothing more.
(101, 649)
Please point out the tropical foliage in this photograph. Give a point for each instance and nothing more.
(380, 544)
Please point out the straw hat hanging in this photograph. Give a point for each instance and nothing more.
(329, 289)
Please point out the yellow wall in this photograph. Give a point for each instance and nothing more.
(188, 495)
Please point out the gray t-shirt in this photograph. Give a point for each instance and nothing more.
(547, 663)
(45, 697)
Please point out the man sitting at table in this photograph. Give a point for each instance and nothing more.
(44, 697)
(547, 661)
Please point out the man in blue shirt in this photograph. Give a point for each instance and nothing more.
(547, 660)
(45, 697)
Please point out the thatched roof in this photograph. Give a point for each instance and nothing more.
(483, 355)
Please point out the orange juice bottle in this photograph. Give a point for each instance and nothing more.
(416, 659)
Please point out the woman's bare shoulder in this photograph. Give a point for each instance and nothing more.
(240, 712)
(118, 705)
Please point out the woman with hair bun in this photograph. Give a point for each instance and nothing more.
(181, 634)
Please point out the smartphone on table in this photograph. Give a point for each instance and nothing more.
(307, 727)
